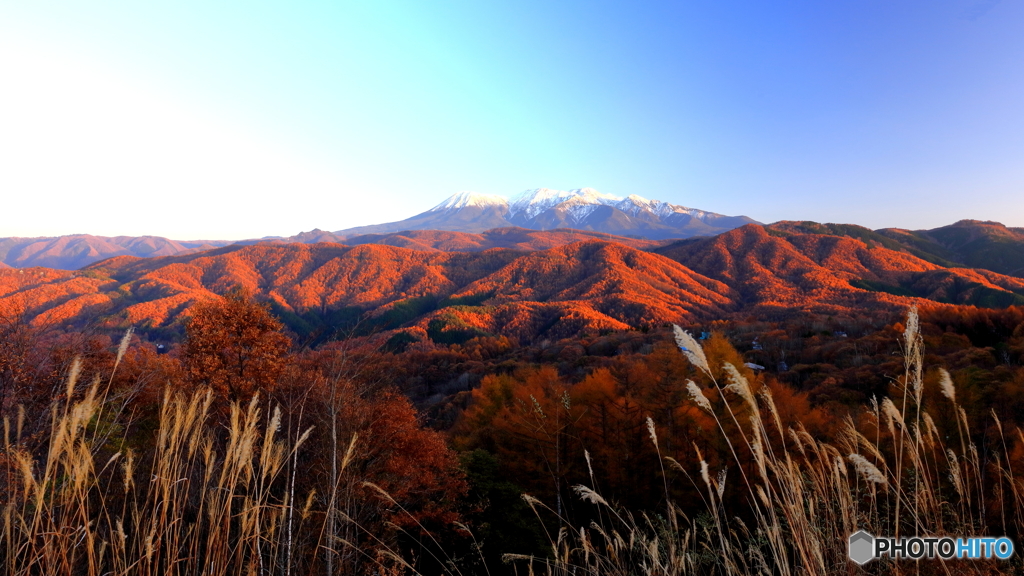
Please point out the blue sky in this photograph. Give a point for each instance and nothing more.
(244, 119)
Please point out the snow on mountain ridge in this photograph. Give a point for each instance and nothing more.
(578, 208)
(532, 202)
(634, 204)
(465, 199)
(579, 203)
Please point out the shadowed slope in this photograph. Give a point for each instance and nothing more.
(971, 243)
(967, 243)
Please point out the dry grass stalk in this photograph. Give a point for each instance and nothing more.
(906, 478)
(194, 509)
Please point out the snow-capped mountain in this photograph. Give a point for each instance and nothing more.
(470, 200)
(546, 209)
(530, 203)
(634, 205)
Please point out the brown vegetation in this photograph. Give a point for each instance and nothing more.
(757, 483)
(120, 460)
(234, 347)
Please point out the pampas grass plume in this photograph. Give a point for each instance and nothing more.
(698, 396)
(650, 431)
(691, 349)
(123, 346)
(589, 495)
(946, 385)
(867, 469)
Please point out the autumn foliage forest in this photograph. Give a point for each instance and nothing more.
(507, 411)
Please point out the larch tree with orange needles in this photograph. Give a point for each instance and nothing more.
(234, 345)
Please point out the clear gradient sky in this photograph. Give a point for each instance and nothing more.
(226, 120)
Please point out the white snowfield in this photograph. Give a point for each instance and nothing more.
(578, 203)
(465, 199)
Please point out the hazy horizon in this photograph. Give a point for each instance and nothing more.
(227, 122)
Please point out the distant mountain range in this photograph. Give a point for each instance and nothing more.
(77, 250)
(547, 209)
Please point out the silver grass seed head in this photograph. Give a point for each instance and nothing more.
(704, 473)
(946, 385)
(738, 384)
(530, 499)
(651, 432)
(73, 373)
(891, 413)
(691, 349)
(589, 495)
(912, 329)
(698, 396)
(995, 417)
(123, 347)
(867, 469)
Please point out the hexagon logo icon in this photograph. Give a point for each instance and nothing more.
(862, 547)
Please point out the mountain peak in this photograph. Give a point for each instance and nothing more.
(634, 203)
(532, 202)
(466, 199)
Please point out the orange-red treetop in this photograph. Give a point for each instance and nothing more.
(234, 345)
